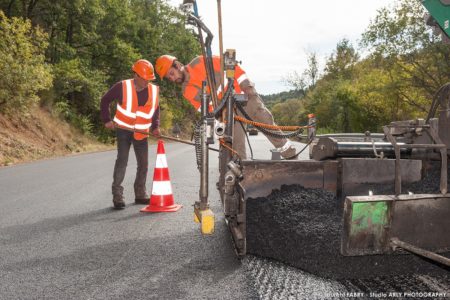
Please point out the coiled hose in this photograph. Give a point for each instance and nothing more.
(198, 143)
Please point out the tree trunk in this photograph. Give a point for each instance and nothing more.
(8, 12)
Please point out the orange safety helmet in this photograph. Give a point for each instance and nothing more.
(144, 69)
(163, 64)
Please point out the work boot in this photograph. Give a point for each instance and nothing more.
(118, 202)
(145, 199)
(289, 153)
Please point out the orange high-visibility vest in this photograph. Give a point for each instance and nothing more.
(192, 90)
(132, 116)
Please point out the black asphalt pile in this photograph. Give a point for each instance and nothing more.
(302, 227)
(430, 184)
(413, 287)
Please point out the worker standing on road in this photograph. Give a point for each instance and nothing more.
(191, 77)
(137, 109)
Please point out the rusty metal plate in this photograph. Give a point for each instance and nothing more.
(261, 177)
(423, 223)
(358, 173)
(370, 222)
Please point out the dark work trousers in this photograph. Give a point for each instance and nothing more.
(124, 141)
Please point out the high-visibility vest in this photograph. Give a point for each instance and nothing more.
(132, 116)
(197, 74)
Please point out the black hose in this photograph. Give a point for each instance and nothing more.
(299, 152)
(227, 94)
(248, 140)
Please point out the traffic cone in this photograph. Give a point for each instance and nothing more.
(161, 199)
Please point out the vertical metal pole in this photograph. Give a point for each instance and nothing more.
(205, 157)
(207, 60)
(435, 136)
(230, 117)
(398, 173)
(219, 13)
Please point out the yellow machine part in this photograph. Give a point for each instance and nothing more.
(206, 219)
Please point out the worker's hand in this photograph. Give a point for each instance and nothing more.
(156, 132)
(109, 125)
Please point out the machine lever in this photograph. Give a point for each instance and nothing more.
(395, 242)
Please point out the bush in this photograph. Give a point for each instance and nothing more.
(81, 122)
(23, 71)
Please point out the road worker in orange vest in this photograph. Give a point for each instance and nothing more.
(137, 110)
(191, 77)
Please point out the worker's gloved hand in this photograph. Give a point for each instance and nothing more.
(109, 125)
(156, 132)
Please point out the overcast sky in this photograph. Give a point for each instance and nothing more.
(272, 38)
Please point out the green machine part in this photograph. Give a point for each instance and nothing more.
(371, 222)
(440, 11)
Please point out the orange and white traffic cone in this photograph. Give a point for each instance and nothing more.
(161, 199)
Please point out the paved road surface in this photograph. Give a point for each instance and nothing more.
(60, 239)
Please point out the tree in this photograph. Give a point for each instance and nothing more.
(308, 78)
(341, 62)
(334, 99)
(93, 43)
(289, 112)
(404, 67)
(401, 42)
(23, 71)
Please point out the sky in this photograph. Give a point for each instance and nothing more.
(273, 38)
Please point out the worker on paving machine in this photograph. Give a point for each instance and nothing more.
(191, 77)
(137, 110)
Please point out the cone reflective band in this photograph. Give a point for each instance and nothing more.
(161, 199)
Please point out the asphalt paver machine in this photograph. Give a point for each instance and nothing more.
(351, 166)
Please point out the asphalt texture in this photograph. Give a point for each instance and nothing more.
(302, 227)
(61, 239)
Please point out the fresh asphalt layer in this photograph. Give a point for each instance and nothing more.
(60, 238)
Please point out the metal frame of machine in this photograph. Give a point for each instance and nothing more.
(373, 224)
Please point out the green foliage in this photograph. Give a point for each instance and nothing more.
(23, 71)
(81, 122)
(339, 65)
(290, 112)
(308, 79)
(272, 99)
(401, 42)
(334, 99)
(166, 118)
(92, 44)
(81, 85)
(405, 66)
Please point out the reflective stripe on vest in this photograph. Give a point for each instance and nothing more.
(145, 113)
(129, 114)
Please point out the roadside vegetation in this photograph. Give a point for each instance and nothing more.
(399, 66)
(60, 57)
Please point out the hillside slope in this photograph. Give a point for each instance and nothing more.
(41, 136)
